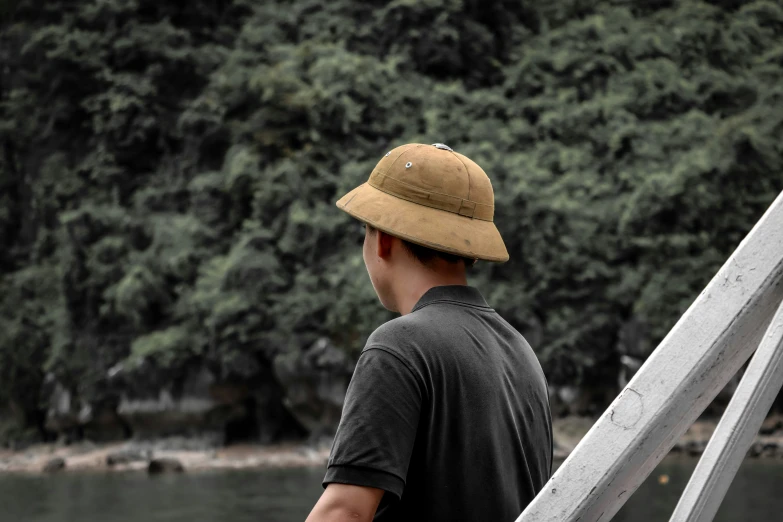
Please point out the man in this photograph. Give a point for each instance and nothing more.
(447, 415)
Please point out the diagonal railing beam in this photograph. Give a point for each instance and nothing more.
(706, 347)
(737, 428)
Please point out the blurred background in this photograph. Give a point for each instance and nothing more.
(175, 280)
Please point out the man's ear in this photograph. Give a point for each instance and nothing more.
(383, 244)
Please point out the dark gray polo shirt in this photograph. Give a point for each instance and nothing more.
(448, 412)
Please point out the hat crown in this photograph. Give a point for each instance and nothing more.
(436, 177)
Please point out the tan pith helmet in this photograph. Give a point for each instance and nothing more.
(431, 196)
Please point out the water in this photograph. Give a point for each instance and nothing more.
(287, 495)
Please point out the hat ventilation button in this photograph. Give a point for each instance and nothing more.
(408, 165)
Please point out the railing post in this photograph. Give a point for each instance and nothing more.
(706, 347)
(737, 428)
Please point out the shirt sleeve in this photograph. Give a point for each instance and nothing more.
(377, 430)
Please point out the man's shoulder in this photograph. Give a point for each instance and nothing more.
(408, 340)
(396, 333)
(410, 336)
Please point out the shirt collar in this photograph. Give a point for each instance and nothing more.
(452, 293)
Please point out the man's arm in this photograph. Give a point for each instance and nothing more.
(346, 503)
(374, 442)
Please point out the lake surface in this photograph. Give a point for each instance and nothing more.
(287, 495)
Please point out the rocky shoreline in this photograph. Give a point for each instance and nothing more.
(569, 431)
(181, 454)
(47, 458)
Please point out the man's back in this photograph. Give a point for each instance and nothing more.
(448, 413)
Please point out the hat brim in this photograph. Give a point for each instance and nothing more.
(433, 228)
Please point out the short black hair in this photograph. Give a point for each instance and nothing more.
(426, 256)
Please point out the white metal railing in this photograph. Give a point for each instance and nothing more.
(708, 345)
(737, 429)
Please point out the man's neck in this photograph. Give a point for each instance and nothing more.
(411, 290)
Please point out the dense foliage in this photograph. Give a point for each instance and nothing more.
(168, 169)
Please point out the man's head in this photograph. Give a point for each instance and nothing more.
(428, 212)
(393, 263)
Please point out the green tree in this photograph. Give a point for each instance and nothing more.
(168, 171)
